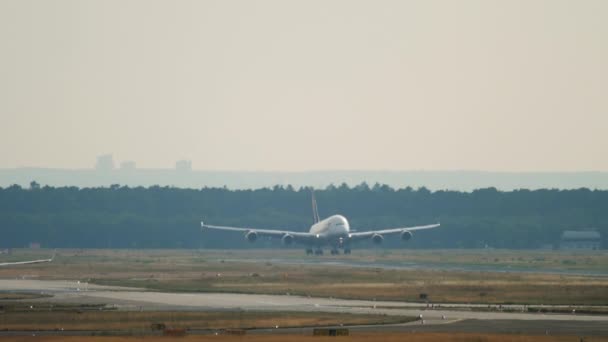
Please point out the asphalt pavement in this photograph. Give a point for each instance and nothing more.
(139, 299)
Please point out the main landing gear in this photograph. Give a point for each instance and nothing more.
(319, 251)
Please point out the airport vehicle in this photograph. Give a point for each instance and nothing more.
(333, 231)
(29, 262)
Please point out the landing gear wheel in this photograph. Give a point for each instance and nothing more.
(347, 251)
(335, 252)
(318, 251)
(308, 251)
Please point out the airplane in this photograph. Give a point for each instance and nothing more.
(333, 231)
(29, 262)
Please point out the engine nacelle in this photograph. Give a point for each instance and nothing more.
(251, 236)
(287, 239)
(377, 239)
(406, 235)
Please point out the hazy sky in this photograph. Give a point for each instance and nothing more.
(301, 85)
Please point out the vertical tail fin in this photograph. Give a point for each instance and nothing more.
(315, 211)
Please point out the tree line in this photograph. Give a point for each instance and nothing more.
(168, 217)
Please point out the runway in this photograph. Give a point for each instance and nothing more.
(440, 318)
(137, 299)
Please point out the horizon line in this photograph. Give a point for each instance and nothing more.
(304, 171)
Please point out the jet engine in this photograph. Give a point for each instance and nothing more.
(377, 239)
(406, 235)
(251, 236)
(287, 239)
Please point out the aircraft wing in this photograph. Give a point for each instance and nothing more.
(29, 262)
(297, 236)
(370, 233)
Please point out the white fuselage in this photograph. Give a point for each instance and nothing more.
(333, 227)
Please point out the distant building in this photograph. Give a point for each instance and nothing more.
(34, 245)
(580, 239)
(128, 165)
(105, 163)
(183, 165)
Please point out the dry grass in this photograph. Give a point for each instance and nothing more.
(141, 321)
(20, 295)
(364, 337)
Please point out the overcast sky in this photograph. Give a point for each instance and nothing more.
(306, 85)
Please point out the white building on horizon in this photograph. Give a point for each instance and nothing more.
(105, 163)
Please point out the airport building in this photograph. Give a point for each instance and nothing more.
(577, 239)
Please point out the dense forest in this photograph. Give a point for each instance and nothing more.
(167, 217)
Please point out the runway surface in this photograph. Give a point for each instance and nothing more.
(137, 299)
(441, 318)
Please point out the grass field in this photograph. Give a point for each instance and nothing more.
(233, 271)
(365, 337)
(20, 295)
(141, 321)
